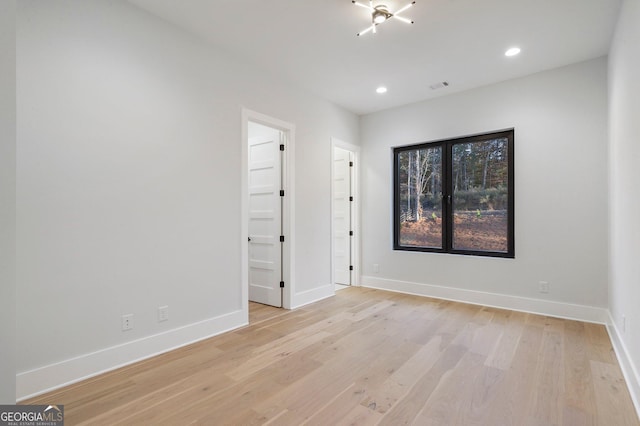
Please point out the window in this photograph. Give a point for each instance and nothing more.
(456, 196)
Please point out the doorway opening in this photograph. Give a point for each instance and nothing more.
(266, 211)
(344, 215)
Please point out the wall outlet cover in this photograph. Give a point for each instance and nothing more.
(163, 313)
(127, 322)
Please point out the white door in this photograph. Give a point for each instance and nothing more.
(342, 215)
(265, 219)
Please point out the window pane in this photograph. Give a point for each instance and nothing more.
(480, 195)
(420, 197)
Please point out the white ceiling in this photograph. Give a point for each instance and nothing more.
(313, 43)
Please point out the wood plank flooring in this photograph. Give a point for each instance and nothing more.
(368, 357)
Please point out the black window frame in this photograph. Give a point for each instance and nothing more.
(447, 194)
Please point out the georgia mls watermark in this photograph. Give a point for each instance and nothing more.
(31, 415)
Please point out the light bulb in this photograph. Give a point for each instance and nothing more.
(379, 17)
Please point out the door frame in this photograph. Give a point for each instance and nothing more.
(288, 216)
(355, 213)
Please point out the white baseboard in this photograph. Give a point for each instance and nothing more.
(44, 379)
(313, 295)
(514, 303)
(627, 366)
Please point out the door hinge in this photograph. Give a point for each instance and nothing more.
(350, 163)
(282, 238)
(351, 233)
(350, 198)
(351, 267)
(281, 147)
(282, 192)
(281, 284)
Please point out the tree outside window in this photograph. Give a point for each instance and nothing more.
(456, 196)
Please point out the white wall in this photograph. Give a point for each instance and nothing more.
(7, 200)
(624, 257)
(129, 184)
(560, 121)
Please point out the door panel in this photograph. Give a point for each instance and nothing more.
(341, 216)
(265, 219)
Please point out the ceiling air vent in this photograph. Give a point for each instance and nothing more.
(439, 85)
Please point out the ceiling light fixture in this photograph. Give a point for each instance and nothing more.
(381, 14)
(381, 90)
(512, 52)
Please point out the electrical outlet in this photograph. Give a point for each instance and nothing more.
(376, 268)
(163, 313)
(543, 287)
(127, 322)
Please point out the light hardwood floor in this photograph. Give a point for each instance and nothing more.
(370, 357)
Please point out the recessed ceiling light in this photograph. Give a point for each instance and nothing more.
(381, 89)
(512, 52)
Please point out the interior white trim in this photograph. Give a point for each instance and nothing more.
(355, 149)
(627, 366)
(313, 295)
(288, 129)
(514, 303)
(44, 379)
